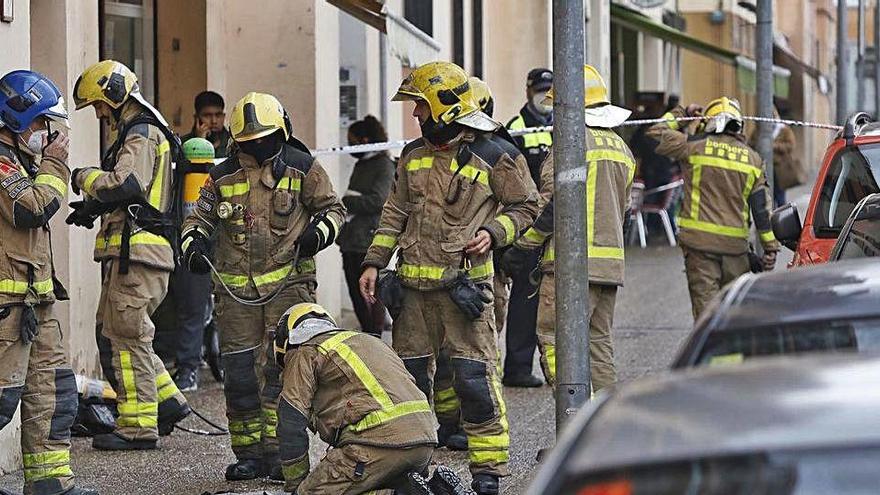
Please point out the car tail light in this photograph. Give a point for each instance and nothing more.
(618, 487)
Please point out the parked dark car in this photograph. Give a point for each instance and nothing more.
(824, 308)
(860, 236)
(787, 426)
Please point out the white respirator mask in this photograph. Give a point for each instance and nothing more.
(35, 141)
(540, 107)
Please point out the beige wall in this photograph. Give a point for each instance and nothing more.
(181, 69)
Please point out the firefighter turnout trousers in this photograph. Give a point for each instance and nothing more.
(125, 341)
(429, 321)
(39, 377)
(252, 381)
(602, 297)
(356, 468)
(707, 273)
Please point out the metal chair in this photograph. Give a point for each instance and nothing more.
(640, 208)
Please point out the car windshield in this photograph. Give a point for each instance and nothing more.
(733, 346)
(862, 241)
(850, 178)
(844, 471)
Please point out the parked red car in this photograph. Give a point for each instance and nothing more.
(849, 173)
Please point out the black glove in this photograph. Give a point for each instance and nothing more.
(390, 292)
(468, 296)
(310, 241)
(755, 263)
(197, 250)
(29, 328)
(80, 216)
(73, 185)
(514, 260)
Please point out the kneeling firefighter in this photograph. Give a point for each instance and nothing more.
(270, 208)
(34, 367)
(131, 190)
(355, 392)
(444, 215)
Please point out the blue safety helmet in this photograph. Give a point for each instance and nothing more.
(26, 95)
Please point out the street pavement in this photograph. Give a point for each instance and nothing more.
(652, 318)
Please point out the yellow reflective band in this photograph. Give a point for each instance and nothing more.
(155, 198)
(233, 280)
(236, 189)
(537, 139)
(550, 356)
(42, 287)
(90, 179)
(53, 182)
(534, 236)
(471, 172)
(488, 456)
(296, 470)
(131, 411)
(670, 121)
(238, 281)
(610, 155)
(421, 272)
(270, 423)
(244, 433)
(714, 161)
(422, 163)
(689, 223)
(489, 442)
(46, 465)
(549, 254)
(141, 238)
(337, 344)
(509, 228)
(767, 237)
(385, 241)
(289, 183)
(165, 387)
(273, 276)
(334, 224)
(605, 252)
(480, 271)
(445, 401)
(377, 418)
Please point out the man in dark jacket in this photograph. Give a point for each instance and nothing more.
(368, 188)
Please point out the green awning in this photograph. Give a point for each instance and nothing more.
(745, 66)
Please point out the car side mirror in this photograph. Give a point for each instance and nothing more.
(786, 222)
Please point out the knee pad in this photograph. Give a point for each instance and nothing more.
(292, 438)
(418, 368)
(66, 405)
(444, 368)
(474, 390)
(272, 377)
(9, 399)
(240, 381)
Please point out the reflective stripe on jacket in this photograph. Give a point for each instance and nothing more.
(724, 184)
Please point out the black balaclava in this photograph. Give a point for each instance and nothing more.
(264, 148)
(440, 134)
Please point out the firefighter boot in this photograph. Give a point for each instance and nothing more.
(114, 441)
(452, 437)
(416, 484)
(246, 469)
(485, 484)
(171, 412)
(446, 482)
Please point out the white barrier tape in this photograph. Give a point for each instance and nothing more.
(390, 145)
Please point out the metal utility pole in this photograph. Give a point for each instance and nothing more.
(877, 60)
(569, 157)
(842, 63)
(764, 60)
(860, 58)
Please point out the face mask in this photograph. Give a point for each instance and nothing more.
(437, 134)
(537, 98)
(263, 150)
(35, 141)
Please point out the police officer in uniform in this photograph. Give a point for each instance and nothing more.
(34, 366)
(132, 189)
(270, 208)
(443, 214)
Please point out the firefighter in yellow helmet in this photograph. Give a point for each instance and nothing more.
(723, 182)
(354, 392)
(268, 210)
(610, 170)
(131, 190)
(443, 215)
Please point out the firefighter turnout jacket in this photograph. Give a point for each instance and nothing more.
(441, 198)
(723, 181)
(31, 196)
(142, 170)
(258, 212)
(350, 388)
(610, 170)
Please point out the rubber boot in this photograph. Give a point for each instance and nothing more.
(246, 469)
(452, 437)
(446, 482)
(272, 466)
(112, 441)
(416, 484)
(171, 412)
(485, 484)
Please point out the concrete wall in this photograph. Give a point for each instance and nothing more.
(181, 69)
